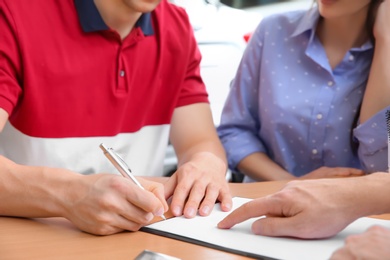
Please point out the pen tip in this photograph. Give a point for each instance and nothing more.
(163, 217)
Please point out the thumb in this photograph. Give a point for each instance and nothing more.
(277, 227)
(157, 189)
(159, 193)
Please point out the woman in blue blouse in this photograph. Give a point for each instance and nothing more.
(299, 106)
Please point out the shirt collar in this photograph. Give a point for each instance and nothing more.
(309, 21)
(91, 20)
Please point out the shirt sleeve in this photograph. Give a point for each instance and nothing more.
(193, 89)
(372, 136)
(10, 65)
(239, 126)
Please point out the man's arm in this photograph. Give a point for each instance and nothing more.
(100, 203)
(315, 208)
(3, 119)
(200, 179)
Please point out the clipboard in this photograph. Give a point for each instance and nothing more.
(240, 240)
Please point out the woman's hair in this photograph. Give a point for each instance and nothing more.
(370, 21)
(372, 9)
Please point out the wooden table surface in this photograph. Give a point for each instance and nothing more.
(57, 238)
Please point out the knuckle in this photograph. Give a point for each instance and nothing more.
(103, 230)
(106, 203)
(188, 168)
(135, 227)
(286, 195)
(102, 219)
(213, 186)
(246, 207)
(144, 219)
(118, 184)
(182, 188)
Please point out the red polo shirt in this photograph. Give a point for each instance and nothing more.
(65, 74)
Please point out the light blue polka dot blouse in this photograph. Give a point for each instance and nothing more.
(287, 102)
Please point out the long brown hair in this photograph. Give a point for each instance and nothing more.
(371, 15)
(370, 21)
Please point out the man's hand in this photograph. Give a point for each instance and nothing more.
(304, 209)
(372, 244)
(197, 184)
(105, 204)
(200, 179)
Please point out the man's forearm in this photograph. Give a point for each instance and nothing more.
(27, 191)
(373, 194)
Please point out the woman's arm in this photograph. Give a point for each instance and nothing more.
(377, 94)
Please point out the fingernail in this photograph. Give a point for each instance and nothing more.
(220, 224)
(149, 217)
(190, 212)
(159, 212)
(228, 206)
(176, 211)
(206, 210)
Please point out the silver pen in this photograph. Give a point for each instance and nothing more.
(121, 166)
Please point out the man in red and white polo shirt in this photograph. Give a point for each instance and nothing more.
(77, 73)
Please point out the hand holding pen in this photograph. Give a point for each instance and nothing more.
(121, 166)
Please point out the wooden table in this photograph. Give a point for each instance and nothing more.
(57, 238)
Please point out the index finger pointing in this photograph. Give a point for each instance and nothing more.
(254, 208)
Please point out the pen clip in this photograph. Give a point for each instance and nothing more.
(119, 157)
(119, 164)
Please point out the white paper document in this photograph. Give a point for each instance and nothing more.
(240, 239)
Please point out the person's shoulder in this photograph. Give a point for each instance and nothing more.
(172, 18)
(16, 3)
(170, 11)
(7, 3)
(14, 8)
(34, 7)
